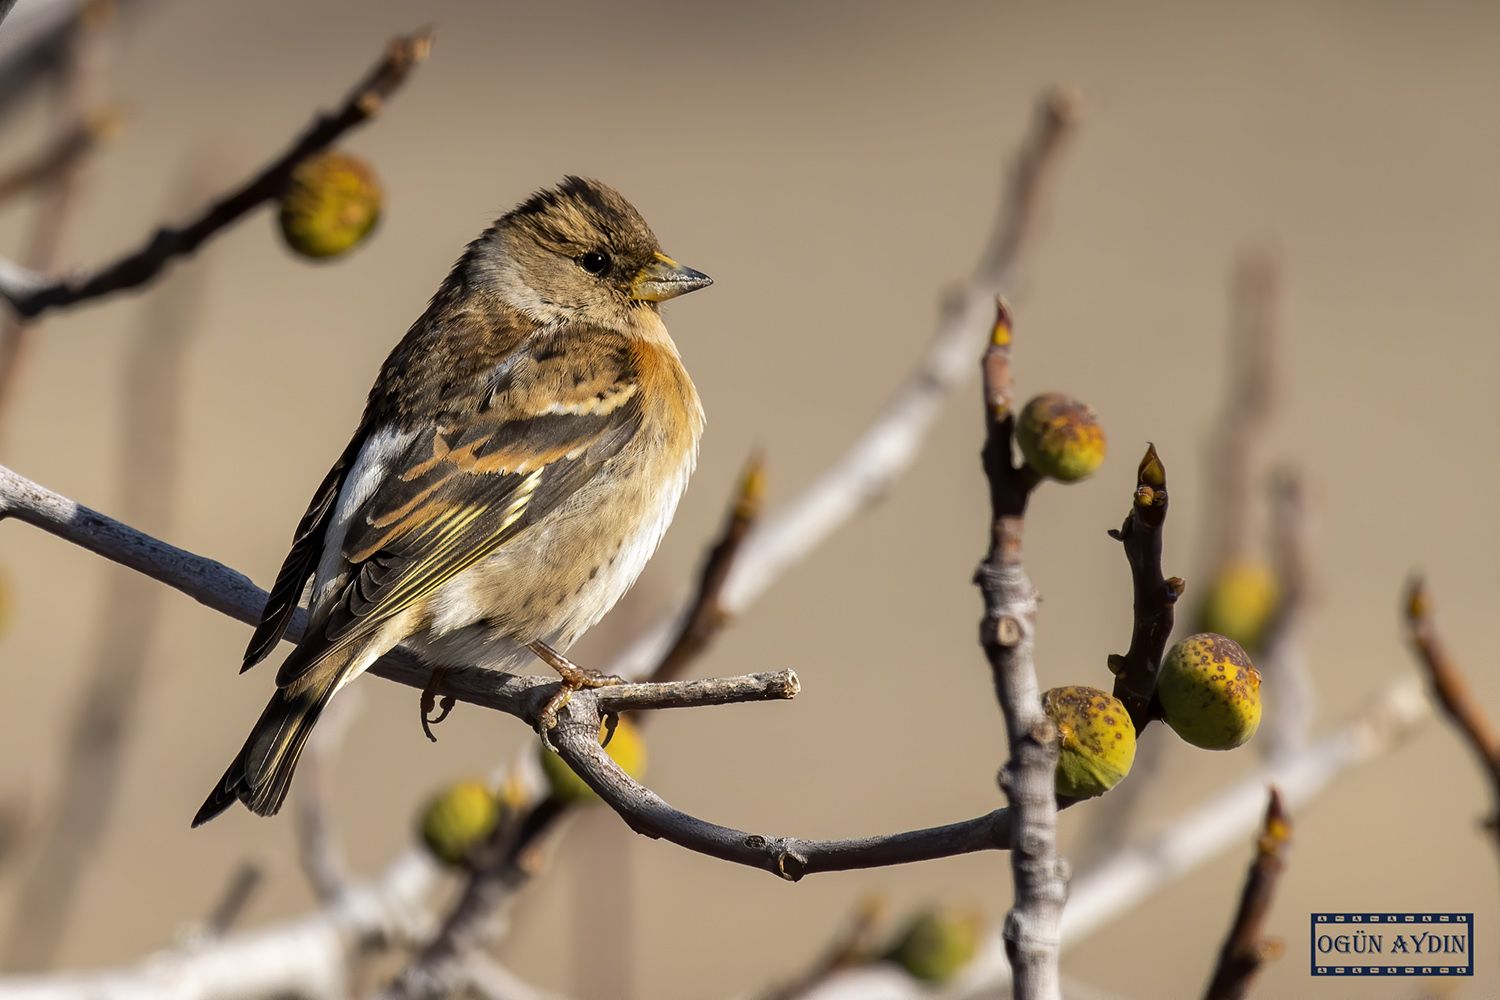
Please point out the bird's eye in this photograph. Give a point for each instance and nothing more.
(594, 262)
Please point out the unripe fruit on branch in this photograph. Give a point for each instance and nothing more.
(1060, 437)
(1209, 692)
(938, 943)
(1096, 739)
(331, 203)
(458, 820)
(627, 748)
(1239, 604)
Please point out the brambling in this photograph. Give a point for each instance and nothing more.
(520, 456)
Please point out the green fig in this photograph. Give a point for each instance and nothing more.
(1060, 437)
(330, 205)
(627, 748)
(459, 819)
(1209, 692)
(1240, 603)
(1096, 739)
(938, 943)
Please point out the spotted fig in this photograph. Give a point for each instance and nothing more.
(1209, 692)
(1060, 437)
(1096, 739)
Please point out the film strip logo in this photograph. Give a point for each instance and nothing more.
(1393, 944)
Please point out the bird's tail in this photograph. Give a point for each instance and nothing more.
(261, 774)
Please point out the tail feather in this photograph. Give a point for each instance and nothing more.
(262, 772)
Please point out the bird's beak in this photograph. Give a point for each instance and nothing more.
(664, 278)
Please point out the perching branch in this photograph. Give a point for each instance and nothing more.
(791, 858)
(1247, 948)
(1452, 690)
(231, 593)
(1155, 595)
(31, 292)
(1007, 634)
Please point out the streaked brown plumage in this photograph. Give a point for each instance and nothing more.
(520, 456)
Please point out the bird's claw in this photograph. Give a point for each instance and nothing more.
(429, 702)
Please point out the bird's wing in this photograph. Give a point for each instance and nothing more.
(556, 411)
(301, 561)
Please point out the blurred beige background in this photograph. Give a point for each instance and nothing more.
(833, 167)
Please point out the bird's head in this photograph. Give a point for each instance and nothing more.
(579, 251)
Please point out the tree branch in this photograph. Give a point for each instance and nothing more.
(1007, 634)
(791, 858)
(231, 593)
(31, 293)
(1155, 596)
(1247, 949)
(1452, 690)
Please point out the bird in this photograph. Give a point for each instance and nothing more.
(519, 458)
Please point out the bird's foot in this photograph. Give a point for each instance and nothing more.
(430, 702)
(574, 678)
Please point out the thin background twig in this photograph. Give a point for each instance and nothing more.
(31, 291)
(1247, 948)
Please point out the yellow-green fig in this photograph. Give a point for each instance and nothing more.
(938, 943)
(627, 748)
(330, 205)
(1209, 692)
(1060, 437)
(1096, 739)
(459, 819)
(1240, 602)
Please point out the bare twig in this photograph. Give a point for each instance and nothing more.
(87, 58)
(855, 944)
(237, 894)
(791, 858)
(31, 293)
(1007, 634)
(1232, 448)
(1452, 690)
(318, 846)
(307, 956)
(1155, 595)
(62, 155)
(1283, 661)
(1247, 948)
